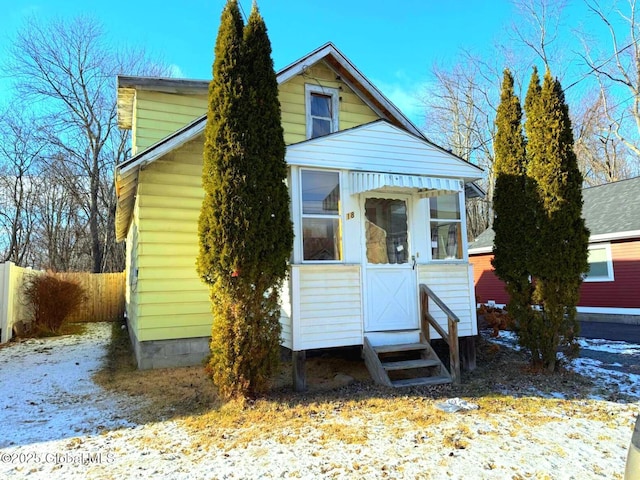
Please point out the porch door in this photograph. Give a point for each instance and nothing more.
(391, 295)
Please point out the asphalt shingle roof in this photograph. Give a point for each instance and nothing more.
(609, 208)
(613, 207)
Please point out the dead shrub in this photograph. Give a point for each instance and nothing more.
(497, 318)
(52, 301)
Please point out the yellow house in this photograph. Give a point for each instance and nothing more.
(377, 209)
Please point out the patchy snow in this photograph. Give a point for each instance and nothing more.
(609, 346)
(606, 375)
(58, 424)
(47, 392)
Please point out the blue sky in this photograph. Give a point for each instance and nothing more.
(393, 43)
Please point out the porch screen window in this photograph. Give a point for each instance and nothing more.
(386, 230)
(321, 235)
(446, 227)
(600, 264)
(322, 110)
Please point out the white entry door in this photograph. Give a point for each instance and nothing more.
(391, 296)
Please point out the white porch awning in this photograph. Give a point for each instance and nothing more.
(361, 182)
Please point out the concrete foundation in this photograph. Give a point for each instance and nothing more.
(183, 352)
(609, 318)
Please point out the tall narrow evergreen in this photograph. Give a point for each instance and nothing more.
(560, 255)
(245, 229)
(513, 223)
(269, 236)
(224, 154)
(221, 223)
(272, 227)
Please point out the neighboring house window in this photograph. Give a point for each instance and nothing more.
(321, 222)
(446, 227)
(322, 110)
(600, 263)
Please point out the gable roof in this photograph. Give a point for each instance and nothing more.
(368, 147)
(610, 212)
(349, 74)
(126, 176)
(334, 58)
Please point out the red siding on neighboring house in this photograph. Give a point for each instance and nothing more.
(488, 286)
(623, 292)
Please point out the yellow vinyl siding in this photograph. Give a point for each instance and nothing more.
(169, 300)
(173, 301)
(159, 114)
(353, 111)
(132, 259)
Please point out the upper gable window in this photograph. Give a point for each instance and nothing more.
(322, 110)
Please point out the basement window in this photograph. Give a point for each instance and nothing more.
(321, 110)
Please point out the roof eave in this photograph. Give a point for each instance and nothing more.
(604, 237)
(480, 250)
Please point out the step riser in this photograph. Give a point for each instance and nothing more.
(407, 369)
(410, 364)
(393, 338)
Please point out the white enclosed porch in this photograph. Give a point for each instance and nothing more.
(377, 212)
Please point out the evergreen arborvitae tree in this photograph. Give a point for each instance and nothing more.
(513, 222)
(271, 219)
(244, 228)
(559, 257)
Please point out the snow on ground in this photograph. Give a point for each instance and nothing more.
(47, 392)
(609, 346)
(605, 374)
(57, 424)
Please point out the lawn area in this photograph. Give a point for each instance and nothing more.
(169, 424)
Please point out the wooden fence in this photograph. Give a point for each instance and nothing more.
(105, 297)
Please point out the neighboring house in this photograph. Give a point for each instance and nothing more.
(377, 210)
(612, 285)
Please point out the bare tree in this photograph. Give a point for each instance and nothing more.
(538, 29)
(461, 100)
(617, 72)
(69, 66)
(20, 156)
(460, 108)
(602, 157)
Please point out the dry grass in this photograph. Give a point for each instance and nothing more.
(502, 386)
(163, 393)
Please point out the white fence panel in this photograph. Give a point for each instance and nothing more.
(13, 307)
(6, 303)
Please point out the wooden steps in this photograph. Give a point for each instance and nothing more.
(404, 365)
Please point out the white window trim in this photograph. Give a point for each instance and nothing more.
(463, 232)
(410, 226)
(609, 277)
(335, 95)
(316, 215)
